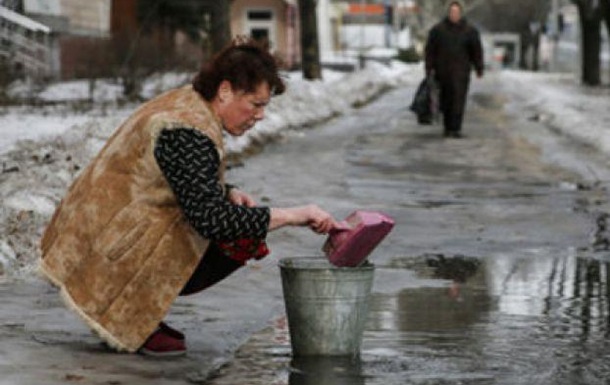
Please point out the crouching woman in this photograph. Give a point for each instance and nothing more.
(151, 217)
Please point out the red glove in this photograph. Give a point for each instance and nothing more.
(242, 250)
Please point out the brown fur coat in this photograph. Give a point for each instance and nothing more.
(118, 246)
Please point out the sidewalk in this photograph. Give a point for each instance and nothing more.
(441, 193)
(44, 343)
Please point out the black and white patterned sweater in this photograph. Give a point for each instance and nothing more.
(190, 162)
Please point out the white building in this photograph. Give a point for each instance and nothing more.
(25, 44)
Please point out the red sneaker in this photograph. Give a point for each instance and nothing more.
(163, 343)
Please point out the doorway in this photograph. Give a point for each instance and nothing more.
(260, 25)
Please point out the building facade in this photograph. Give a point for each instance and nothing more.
(273, 22)
(25, 45)
(84, 38)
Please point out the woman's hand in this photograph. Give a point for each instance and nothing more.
(312, 216)
(319, 220)
(240, 198)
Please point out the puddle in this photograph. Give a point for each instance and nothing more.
(537, 319)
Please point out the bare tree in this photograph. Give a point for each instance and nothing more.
(523, 17)
(137, 48)
(606, 14)
(429, 13)
(6, 77)
(191, 17)
(309, 40)
(220, 23)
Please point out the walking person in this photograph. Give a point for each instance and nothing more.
(452, 50)
(151, 217)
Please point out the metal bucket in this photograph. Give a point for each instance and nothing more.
(326, 370)
(326, 306)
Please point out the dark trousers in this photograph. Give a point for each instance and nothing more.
(452, 122)
(213, 268)
(453, 103)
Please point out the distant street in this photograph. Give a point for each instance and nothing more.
(489, 277)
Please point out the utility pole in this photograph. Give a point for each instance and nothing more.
(554, 33)
(362, 22)
(387, 22)
(474, 5)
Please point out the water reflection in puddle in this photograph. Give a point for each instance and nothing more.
(529, 320)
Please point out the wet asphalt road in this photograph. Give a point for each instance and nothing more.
(489, 277)
(497, 269)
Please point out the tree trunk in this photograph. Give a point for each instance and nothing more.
(590, 27)
(591, 47)
(310, 50)
(536, 52)
(526, 46)
(606, 16)
(221, 24)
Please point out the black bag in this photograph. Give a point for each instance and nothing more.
(425, 101)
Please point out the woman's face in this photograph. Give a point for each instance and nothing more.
(242, 110)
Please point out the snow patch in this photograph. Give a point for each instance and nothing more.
(578, 112)
(30, 201)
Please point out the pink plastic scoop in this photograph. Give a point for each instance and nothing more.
(350, 244)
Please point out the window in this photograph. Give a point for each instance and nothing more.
(259, 15)
(260, 34)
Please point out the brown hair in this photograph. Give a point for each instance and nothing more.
(245, 64)
(456, 3)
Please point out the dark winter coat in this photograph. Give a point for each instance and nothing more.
(452, 51)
